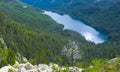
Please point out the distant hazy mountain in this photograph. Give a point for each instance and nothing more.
(105, 3)
(36, 36)
(64, 3)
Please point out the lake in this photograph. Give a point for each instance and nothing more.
(88, 32)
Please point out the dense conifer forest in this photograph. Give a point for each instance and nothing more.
(41, 40)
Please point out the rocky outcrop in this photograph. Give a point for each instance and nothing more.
(7, 68)
(3, 42)
(28, 67)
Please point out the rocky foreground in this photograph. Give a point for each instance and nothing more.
(28, 67)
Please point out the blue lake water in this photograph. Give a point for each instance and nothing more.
(88, 32)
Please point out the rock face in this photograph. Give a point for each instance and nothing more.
(6, 68)
(3, 42)
(28, 67)
(112, 60)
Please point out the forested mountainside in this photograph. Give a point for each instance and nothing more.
(97, 17)
(27, 41)
(36, 36)
(105, 19)
(55, 4)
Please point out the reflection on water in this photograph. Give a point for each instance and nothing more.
(88, 32)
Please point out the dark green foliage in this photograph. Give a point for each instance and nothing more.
(42, 35)
(7, 57)
(100, 65)
(10, 56)
(41, 56)
(40, 39)
(107, 21)
(58, 4)
(28, 41)
(103, 16)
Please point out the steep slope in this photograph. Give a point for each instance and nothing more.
(25, 40)
(55, 4)
(85, 10)
(35, 35)
(107, 20)
(49, 3)
(103, 15)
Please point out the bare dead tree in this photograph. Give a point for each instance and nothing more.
(72, 51)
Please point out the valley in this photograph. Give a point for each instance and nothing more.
(104, 18)
(45, 37)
